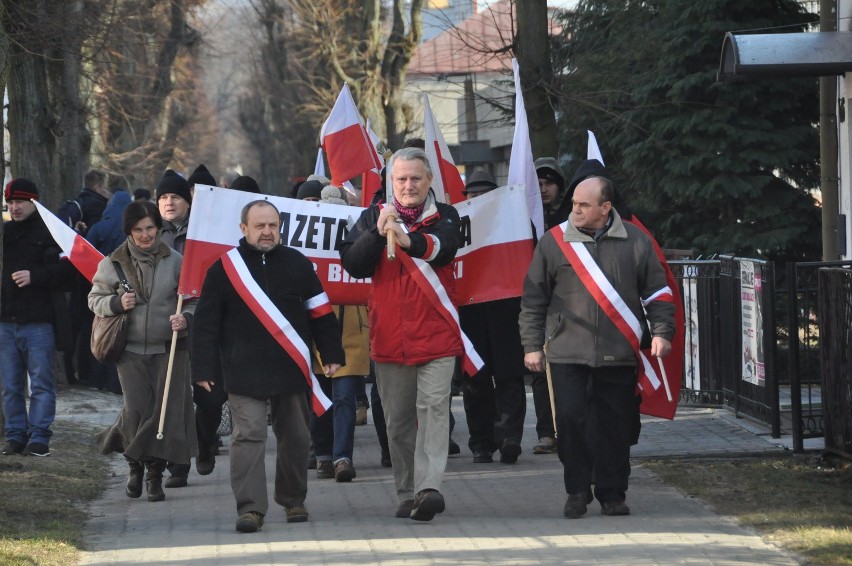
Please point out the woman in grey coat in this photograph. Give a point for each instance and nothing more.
(151, 270)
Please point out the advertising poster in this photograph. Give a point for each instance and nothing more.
(754, 370)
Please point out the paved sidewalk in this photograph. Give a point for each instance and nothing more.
(496, 513)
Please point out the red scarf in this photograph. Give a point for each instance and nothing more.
(409, 215)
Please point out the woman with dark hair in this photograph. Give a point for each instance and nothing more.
(147, 289)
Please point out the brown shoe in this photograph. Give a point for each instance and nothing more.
(403, 511)
(296, 514)
(325, 470)
(361, 415)
(576, 505)
(344, 471)
(250, 522)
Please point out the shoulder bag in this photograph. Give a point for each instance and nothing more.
(109, 333)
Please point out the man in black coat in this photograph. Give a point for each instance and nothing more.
(495, 401)
(32, 305)
(229, 339)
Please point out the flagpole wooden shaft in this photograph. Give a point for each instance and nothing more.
(550, 390)
(665, 379)
(169, 374)
(391, 235)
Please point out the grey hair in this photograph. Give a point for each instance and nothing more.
(410, 154)
(244, 212)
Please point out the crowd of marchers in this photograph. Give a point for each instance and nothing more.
(264, 337)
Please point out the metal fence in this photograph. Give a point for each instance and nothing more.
(835, 312)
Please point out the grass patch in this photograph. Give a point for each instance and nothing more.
(42, 513)
(803, 504)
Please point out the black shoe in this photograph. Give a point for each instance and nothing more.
(177, 481)
(325, 470)
(510, 451)
(576, 505)
(386, 460)
(427, 504)
(133, 488)
(614, 508)
(312, 463)
(37, 449)
(13, 447)
(453, 448)
(205, 466)
(482, 457)
(403, 510)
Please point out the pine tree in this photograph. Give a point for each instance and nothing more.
(716, 167)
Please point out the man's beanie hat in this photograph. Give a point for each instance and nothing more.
(480, 180)
(141, 193)
(201, 176)
(246, 184)
(174, 183)
(548, 168)
(20, 189)
(310, 189)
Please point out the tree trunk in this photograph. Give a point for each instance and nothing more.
(533, 55)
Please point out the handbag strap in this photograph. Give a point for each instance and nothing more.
(122, 279)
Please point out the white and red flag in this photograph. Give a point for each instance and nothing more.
(345, 141)
(446, 179)
(521, 164)
(592, 149)
(79, 252)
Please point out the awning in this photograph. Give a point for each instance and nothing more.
(814, 54)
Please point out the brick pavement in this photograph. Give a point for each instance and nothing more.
(496, 514)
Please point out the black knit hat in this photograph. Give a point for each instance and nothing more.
(173, 183)
(310, 189)
(201, 176)
(20, 189)
(246, 184)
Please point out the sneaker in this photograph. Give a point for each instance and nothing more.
(510, 451)
(403, 510)
(482, 457)
(453, 448)
(325, 470)
(37, 449)
(614, 508)
(13, 447)
(296, 514)
(545, 445)
(361, 415)
(176, 481)
(250, 522)
(576, 505)
(344, 471)
(427, 504)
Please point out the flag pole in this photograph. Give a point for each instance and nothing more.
(391, 235)
(665, 379)
(169, 374)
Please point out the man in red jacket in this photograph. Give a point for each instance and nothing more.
(412, 340)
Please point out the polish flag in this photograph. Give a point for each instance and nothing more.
(345, 141)
(521, 164)
(446, 180)
(79, 252)
(319, 169)
(592, 149)
(372, 179)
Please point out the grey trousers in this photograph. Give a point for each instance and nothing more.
(416, 405)
(248, 449)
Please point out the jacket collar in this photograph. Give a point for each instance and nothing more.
(616, 231)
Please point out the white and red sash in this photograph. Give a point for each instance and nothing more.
(276, 323)
(610, 301)
(430, 284)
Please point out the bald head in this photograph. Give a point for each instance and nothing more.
(591, 203)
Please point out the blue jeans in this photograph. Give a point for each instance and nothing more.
(333, 433)
(27, 349)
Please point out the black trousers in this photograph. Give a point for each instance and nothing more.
(598, 403)
(494, 409)
(208, 416)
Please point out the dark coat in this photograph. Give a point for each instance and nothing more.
(28, 245)
(108, 233)
(226, 334)
(89, 207)
(492, 328)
